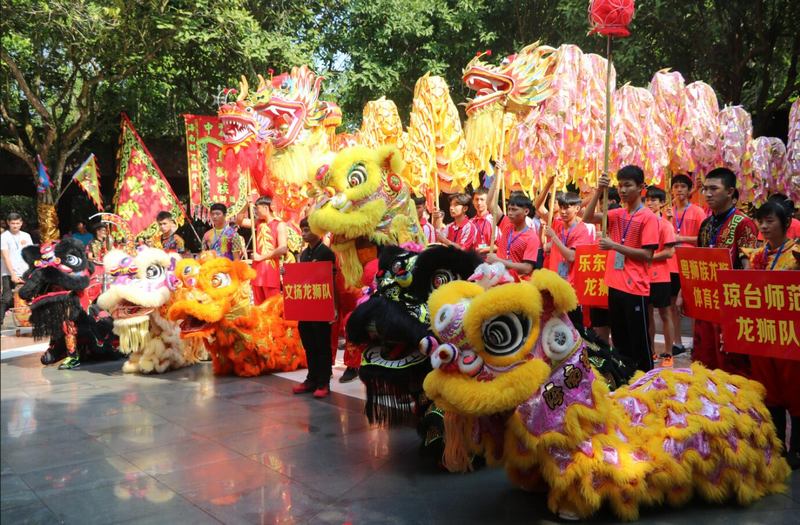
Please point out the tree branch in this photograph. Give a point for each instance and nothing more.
(19, 152)
(23, 84)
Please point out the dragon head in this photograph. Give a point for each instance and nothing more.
(522, 79)
(498, 345)
(214, 289)
(141, 284)
(367, 199)
(243, 119)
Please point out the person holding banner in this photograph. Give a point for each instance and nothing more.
(222, 238)
(686, 219)
(564, 236)
(660, 285)
(632, 239)
(316, 335)
(781, 377)
(730, 228)
(270, 247)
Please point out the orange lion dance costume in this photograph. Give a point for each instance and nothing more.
(241, 338)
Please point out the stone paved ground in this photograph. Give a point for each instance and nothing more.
(94, 446)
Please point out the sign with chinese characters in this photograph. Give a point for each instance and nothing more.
(760, 313)
(308, 291)
(699, 273)
(590, 276)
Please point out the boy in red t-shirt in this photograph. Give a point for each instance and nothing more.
(566, 234)
(685, 218)
(632, 239)
(461, 232)
(518, 244)
(660, 285)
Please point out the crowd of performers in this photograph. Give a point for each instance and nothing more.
(469, 326)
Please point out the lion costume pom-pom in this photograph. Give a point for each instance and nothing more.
(515, 370)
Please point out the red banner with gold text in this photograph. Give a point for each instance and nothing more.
(308, 291)
(760, 313)
(699, 274)
(590, 276)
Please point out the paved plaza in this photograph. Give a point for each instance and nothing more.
(95, 446)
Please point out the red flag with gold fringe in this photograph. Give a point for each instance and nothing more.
(211, 179)
(142, 190)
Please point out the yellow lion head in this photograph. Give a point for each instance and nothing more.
(212, 290)
(369, 199)
(498, 345)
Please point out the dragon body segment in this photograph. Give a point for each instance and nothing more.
(517, 376)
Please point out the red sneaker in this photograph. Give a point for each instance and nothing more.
(322, 391)
(302, 388)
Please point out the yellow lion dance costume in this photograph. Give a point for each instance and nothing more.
(514, 378)
(241, 338)
(369, 201)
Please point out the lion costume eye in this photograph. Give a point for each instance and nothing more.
(441, 277)
(220, 280)
(154, 271)
(73, 260)
(358, 175)
(505, 334)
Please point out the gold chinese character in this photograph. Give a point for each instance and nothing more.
(698, 297)
(603, 289)
(704, 271)
(716, 299)
(723, 266)
(307, 291)
(766, 330)
(289, 291)
(712, 267)
(694, 270)
(707, 303)
(684, 268)
(732, 294)
(794, 297)
(774, 296)
(745, 329)
(316, 292)
(752, 297)
(787, 333)
(599, 262)
(326, 291)
(584, 263)
(590, 287)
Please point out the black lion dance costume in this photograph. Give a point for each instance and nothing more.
(55, 286)
(390, 325)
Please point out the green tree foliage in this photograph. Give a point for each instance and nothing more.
(747, 50)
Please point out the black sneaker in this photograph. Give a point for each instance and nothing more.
(678, 350)
(349, 375)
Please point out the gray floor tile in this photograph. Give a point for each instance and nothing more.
(32, 514)
(15, 492)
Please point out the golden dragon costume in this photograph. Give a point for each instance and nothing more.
(138, 300)
(514, 379)
(242, 339)
(369, 201)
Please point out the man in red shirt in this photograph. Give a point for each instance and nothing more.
(518, 244)
(728, 228)
(482, 221)
(461, 232)
(632, 239)
(685, 218)
(660, 285)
